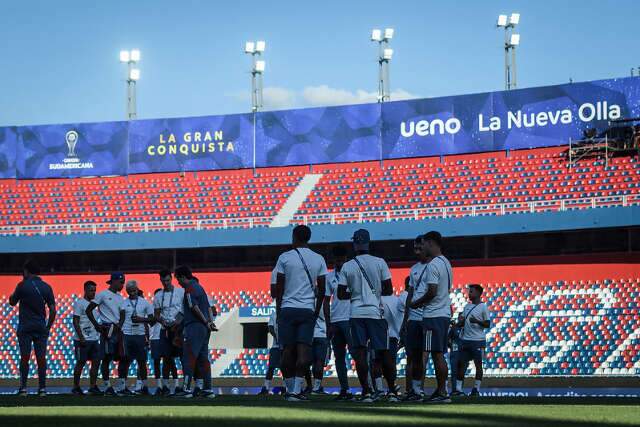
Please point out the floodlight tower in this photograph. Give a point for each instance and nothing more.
(385, 53)
(256, 49)
(131, 58)
(511, 40)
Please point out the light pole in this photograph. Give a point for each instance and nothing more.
(385, 53)
(131, 58)
(511, 40)
(256, 49)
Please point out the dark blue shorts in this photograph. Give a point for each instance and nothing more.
(111, 346)
(135, 347)
(342, 335)
(472, 350)
(167, 347)
(196, 341)
(371, 333)
(295, 326)
(320, 350)
(436, 334)
(414, 339)
(274, 358)
(393, 349)
(156, 354)
(33, 340)
(91, 350)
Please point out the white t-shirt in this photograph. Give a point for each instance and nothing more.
(320, 330)
(340, 309)
(109, 304)
(365, 302)
(88, 330)
(403, 299)
(418, 281)
(141, 308)
(440, 274)
(154, 331)
(298, 292)
(472, 331)
(393, 313)
(273, 321)
(169, 303)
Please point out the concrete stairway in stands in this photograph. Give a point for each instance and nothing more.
(295, 200)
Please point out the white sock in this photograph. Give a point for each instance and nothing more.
(200, 383)
(159, 382)
(477, 384)
(379, 384)
(317, 384)
(415, 384)
(459, 385)
(106, 383)
(297, 386)
(289, 384)
(267, 384)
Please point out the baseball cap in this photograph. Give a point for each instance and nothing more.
(361, 237)
(116, 275)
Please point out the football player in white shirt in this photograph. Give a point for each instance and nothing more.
(168, 306)
(436, 312)
(137, 314)
(413, 331)
(86, 341)
(108, 303)
(364, 280)
(274, 351)
(474, 322)
(339, 330)
(300, 291)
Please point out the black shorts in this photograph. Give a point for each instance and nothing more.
(33, 340)
(274, 358)
(135, 347)
(167, 348)
(370, 333)
(436, 334)
(414, 339)
(155, 349)
(472, 350)
(295, 326)
(91, 350)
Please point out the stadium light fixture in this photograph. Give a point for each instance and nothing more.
(385, 53)
(131, 57)
(256, 49)
(124, 56)
(511, 40)
(134, 74)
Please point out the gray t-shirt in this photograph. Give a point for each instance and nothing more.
(439, 273)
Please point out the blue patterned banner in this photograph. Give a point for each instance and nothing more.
(8, 150)
(86, 149)
(190, 144)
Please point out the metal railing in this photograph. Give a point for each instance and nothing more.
(554, 205)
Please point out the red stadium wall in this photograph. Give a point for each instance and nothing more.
(259, 281)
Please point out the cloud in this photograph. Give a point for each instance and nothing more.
(276, 98)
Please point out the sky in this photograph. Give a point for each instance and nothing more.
(60, 57)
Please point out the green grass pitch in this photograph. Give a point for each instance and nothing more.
(252, 411)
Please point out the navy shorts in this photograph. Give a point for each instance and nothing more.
(36, 340)
(472, 350)
(320, 350)
(135, 347)
(196, 343)
(436, 334)
(91, 350)
(341, 335)
(274, 357)
(394, 343)
(156, 354)
(295, 326)
(111, 346)
(414, 339)
(167, 347)
(372, 333)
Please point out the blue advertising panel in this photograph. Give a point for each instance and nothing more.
(190, 144)
(72, 150)
(262, 311)
(318, 135)
(525, 118)
(8, 148)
